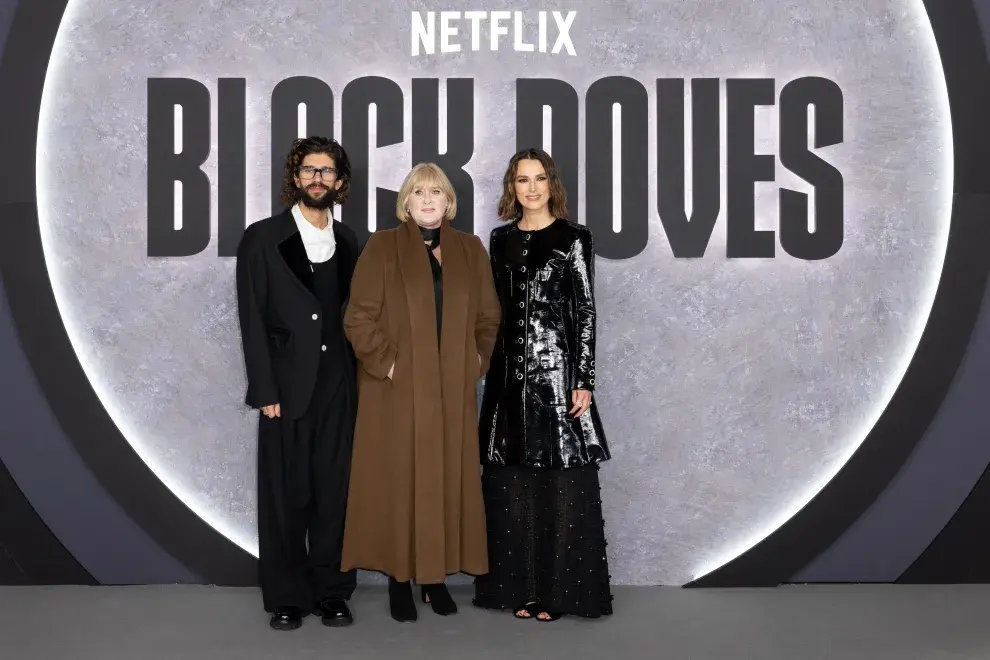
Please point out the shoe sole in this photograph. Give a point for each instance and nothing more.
(285, 627)
(337, 623)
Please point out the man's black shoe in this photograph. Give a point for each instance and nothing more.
(334, 612)
(286, 618)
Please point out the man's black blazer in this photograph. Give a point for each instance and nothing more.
(281, 318)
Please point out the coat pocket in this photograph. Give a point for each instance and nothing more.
(279, 338)
(551, 270)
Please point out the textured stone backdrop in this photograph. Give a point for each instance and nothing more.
(731, 390)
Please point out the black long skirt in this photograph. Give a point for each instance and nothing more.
(546, 541)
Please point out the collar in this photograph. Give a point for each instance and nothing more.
(311, 233)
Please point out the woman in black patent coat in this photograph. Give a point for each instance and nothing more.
(540, 432)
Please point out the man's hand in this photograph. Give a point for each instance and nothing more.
(582, 401)
(272, 411)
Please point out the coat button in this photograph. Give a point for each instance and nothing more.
(520, 323)
(518, 358)
(592, 381)
(519, 376)
(519, 340)
(525, 252)
(521, 304)
(526, 237)
(522, 286)
(522, 269)
(323, 348)
(316, 316)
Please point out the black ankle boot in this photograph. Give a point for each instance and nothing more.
(439, 598)
(400, 601)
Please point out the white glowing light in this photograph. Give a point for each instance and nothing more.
(547, 129)
(198, 502)
(945, 176)
(616, 167)
(84, 352)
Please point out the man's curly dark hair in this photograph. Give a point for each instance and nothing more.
(303, 147)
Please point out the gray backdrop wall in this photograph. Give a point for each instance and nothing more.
(700, 493)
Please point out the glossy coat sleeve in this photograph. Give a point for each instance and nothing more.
(489, 309)
(582, 266)
(364, 310)
(252, 296)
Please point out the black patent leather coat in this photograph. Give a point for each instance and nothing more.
(545, 350)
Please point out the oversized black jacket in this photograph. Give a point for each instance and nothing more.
(280, 317)
(545, 350)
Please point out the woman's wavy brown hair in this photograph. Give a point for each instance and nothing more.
(510, 209)
(291, 193)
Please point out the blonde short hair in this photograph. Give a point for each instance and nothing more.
(428, 174)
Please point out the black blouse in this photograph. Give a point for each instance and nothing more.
(432, 238)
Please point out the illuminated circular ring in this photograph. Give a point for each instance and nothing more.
(772, 561)
(178, 530)
(779, 556)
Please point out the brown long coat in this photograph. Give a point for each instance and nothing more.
(414, 508)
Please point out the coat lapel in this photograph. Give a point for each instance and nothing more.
(417, 279)
(345, 264)
(293, 252)
(456, 295)
(454, 356)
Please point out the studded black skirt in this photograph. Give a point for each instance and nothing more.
(546, 541)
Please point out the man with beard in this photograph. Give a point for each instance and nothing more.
(293, 277)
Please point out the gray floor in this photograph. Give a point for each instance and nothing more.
(846, 622)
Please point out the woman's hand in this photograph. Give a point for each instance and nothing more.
(272, 411)
(581, 400)
(390, 370)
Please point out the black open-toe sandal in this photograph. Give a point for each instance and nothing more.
(528, 608)
(551, 616)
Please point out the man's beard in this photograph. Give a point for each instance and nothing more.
(319, 203)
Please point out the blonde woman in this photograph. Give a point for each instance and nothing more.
(422, 319)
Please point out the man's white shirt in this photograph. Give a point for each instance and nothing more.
(320, 244)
